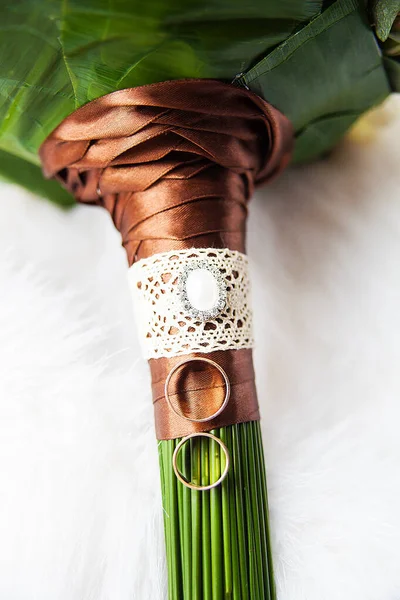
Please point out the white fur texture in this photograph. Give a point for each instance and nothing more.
(80, 514)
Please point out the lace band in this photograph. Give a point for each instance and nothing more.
(195, 300)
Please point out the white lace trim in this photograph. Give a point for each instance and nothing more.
(167, 325)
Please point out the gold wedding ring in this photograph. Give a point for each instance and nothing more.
(179, 475)
(182, 364)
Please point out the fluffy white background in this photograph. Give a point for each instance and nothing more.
(80, 511)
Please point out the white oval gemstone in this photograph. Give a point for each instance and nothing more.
(202, 289)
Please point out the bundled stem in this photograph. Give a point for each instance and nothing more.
(218, 541)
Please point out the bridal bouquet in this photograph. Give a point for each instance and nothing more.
(168, 114)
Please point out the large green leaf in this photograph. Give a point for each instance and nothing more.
(55, 55)
(322, 69)
(324, 77)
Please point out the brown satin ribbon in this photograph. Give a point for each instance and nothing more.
(175, 164)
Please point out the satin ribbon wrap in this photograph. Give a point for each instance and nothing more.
(175, 164)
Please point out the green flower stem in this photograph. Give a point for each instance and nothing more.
(187, 523)
(206, 526)
(216, 522)
(196, 521)
(240, 512)
(171, 520)
(264, 549)
(226, 527)
(237, 593)
(181, 550)
(263, 479)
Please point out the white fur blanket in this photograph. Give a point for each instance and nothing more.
(80, 514)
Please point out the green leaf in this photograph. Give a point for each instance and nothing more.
(18, 170)
(385, 13)
(59, 54)
(322, 69)
(324, 77)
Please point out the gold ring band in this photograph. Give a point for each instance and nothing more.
(210, 362)
(187, 483)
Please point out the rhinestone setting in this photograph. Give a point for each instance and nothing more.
(187, 305)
